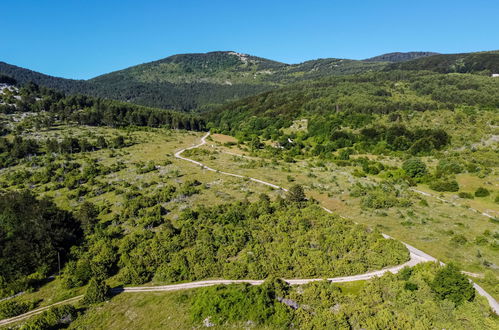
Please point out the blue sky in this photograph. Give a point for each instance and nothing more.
(84, 38)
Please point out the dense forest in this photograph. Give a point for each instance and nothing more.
(482, 62)
(88, 110)
(34, 234)
(241, 240)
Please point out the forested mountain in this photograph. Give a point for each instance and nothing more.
(23, 76)
(194, 81)
(399, 57)
(198, 82)
(487, 62)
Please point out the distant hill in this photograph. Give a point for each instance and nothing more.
(23, 76)
(199, 82)
(195, 81)
(399, 57)
(453, 63)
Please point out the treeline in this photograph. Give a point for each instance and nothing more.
(396, 138)
(483, 62)
(12, 150)
(94, 111)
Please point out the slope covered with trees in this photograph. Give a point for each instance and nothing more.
(399, 57)
(193, 81)
(342, 111)
(482, 62)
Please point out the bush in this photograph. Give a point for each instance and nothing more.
(11, 308)
(242, 302)
(450, 284)
(97, 291)
(55, 318)
(296, 194)
(415, 168)
(379, 200)
(442, 185)
(482, 192)
(465, 195)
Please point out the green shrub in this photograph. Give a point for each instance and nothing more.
(482, 192)
(97, 291)
(459, 240)
(379, 200)
(55, 318)
(450, 284)
(465, 195)
(415, 168)
(11, 308)
(242, 302)
(446, 167)
(443, 185)
(296, 194)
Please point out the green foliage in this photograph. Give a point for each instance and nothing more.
(446, 167)
(87, 215)
(465, 195)
(55, 318)
(450, 284)
(97, 292)
(32, 234)
(256, 240)
(415, 168)
(194, 81)
(444, 185)
(296, 194)
(426, 296)
(482, 192)
(381, 196)
(241, 303)
(449, 63)
(459, 239)
(11, 308)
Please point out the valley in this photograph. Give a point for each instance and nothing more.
(247, 204)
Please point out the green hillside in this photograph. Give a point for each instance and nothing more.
(484, 62)
(355, 98)
(399, 57)
(194, 81)
(24, 76)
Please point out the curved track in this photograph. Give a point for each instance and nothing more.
(416, 255)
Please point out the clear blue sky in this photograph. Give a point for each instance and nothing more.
(84, 38)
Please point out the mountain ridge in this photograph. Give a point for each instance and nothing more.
(400, 56)
(199, 81)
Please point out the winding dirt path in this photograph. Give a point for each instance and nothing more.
(416, 256)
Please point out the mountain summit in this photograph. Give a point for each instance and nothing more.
(399, 57)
